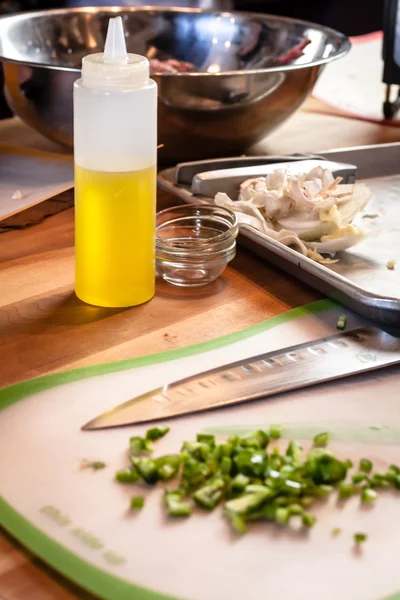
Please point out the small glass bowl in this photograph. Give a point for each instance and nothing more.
(194, 243)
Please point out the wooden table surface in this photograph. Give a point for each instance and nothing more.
(45, 328)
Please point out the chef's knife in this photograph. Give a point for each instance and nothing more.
(184, 172)
(260, 376)
(209, 183)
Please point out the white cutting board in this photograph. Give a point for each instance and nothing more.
(79, 522)
(28, 177)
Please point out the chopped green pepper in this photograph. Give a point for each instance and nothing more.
(308, 520)
(275, 432)
(147, 468)
(156, 433)
(254, 483)
(127, 475)
(358, 478)
(96, 465)
(210, 495)
(321, 439)
(365, 465)
(345, 490)
(368, 495)
(205, 437)
(139, 445)
(282, 516)
(137, 502)
(176, 507)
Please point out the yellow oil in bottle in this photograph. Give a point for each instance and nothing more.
(115, 236)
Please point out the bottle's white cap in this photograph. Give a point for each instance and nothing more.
(115, 68)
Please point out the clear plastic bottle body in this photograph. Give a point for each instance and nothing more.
(115, 142)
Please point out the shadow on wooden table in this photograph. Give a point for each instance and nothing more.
(70, 310)
(166, 290)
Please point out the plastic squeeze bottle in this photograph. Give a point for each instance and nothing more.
(115, 141)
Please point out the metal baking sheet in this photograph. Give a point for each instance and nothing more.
(360, 279)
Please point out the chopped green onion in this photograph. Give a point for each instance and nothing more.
(147, 468)
(96, 465)
(226, 465)
(239, 482)
(322, 491)
(210, 495)
(358, 478)
(345, 490)
(157, 432)
(275, 432)
(324, 467)
(205, 437)
(359, 538)
(368, 495)
(254, 488)
(253, 482)
(391, 476)
(127, 475)
(397, 482)
(295, 509)
(176, 507)
(365, 465)
(308, 520)
(282, 516)
(306, 501)
(238, 524)
(342, 322)
(179, 509)
(257, 439)
(168, 466)
(321, 439)
(294, 450)
(245, 504)
(379, 480)
(139, 445)
(137, 502)
(337, 531)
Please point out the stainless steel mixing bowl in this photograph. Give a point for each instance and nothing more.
(244, 86)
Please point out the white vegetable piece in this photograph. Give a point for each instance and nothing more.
(312, 212)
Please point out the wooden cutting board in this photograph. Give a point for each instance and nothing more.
(79, 522)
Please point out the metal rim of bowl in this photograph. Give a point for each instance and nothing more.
(342, 50)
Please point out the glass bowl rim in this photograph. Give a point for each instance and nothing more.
(232, 231)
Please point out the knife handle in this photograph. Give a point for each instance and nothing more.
(185, 172)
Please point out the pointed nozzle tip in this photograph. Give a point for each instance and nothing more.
(115, 46)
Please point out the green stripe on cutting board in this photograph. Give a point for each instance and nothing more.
(15, 392)
(69, 564)
(95, 580)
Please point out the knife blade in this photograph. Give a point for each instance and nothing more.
(262, 376)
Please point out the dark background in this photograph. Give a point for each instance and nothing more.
(352, 17)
